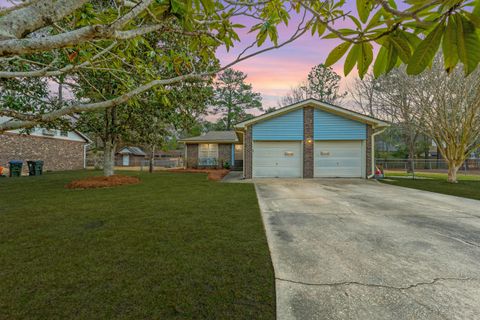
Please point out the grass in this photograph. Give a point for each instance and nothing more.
(176, 246)
(468, 186)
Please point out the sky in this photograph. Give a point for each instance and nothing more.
(275, 72)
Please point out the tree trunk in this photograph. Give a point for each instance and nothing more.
(108, 159)
(152, 159)
(411, 159)
(452, 172)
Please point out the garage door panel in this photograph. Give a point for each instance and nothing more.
(338, 159)
(277, 159)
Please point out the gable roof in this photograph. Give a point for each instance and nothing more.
(213, 136)
(353, 115)
(4, 119)
(136, 151)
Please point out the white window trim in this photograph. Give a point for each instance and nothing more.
(212, 150)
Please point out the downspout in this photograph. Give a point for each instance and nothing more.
(85, 155)
(373, 152)
(185, 157)
(232, 164)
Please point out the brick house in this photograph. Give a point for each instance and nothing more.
(215, 149)
(60, 150)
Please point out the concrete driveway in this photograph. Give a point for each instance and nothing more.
(354, 249)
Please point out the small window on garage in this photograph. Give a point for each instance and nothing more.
(207, 154)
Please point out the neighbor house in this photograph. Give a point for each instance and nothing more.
(58, 149)
(309, 139)
(215, 149)
(130, 157)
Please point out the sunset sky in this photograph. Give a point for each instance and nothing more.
(273, 73)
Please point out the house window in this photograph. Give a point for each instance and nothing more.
(207, 154)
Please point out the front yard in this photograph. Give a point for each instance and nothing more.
(468, 186)
(176, 246)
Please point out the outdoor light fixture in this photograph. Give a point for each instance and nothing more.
(309, 140)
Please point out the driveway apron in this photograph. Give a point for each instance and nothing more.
(356, 249)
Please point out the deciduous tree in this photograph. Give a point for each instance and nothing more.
(450, 108)
(66, 36)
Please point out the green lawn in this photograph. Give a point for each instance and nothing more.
(175, 246)
(468, 186)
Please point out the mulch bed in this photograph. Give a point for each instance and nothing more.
(213, 174)
(102, 182)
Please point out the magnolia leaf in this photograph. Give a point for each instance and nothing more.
(468, 43)
(392, 58)
(365, 58)
(337, 53)
(426, 50)
(449, 45)
(402, 47)
(352, 58)
(380, 64)
(363, 9)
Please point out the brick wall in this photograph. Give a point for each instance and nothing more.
(192, 155)
(247, 162)
(308, 147)
(57, 154)
(224, 154)
(369, 150)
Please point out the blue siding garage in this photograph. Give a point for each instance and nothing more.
(277, 146)
(339, 146)
(309, 139)
(285, 127)
(329, 126)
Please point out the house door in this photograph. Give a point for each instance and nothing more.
(126, 160)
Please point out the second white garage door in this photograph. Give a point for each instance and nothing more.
(282, 159)
(338, 159)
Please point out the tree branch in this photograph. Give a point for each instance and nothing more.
(35, 15)
(83, 107)
(45, 71)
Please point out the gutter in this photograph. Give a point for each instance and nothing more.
(373, 151)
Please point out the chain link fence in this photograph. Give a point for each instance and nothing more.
(470, 166)
(140, 164)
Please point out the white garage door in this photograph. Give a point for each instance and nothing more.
(338, 159)
(282, 159)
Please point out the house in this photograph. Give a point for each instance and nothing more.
(215, 149)
(130, 157)
(58, 149)
(309, 139)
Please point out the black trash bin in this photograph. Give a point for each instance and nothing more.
(15, 167)
(35, 168)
